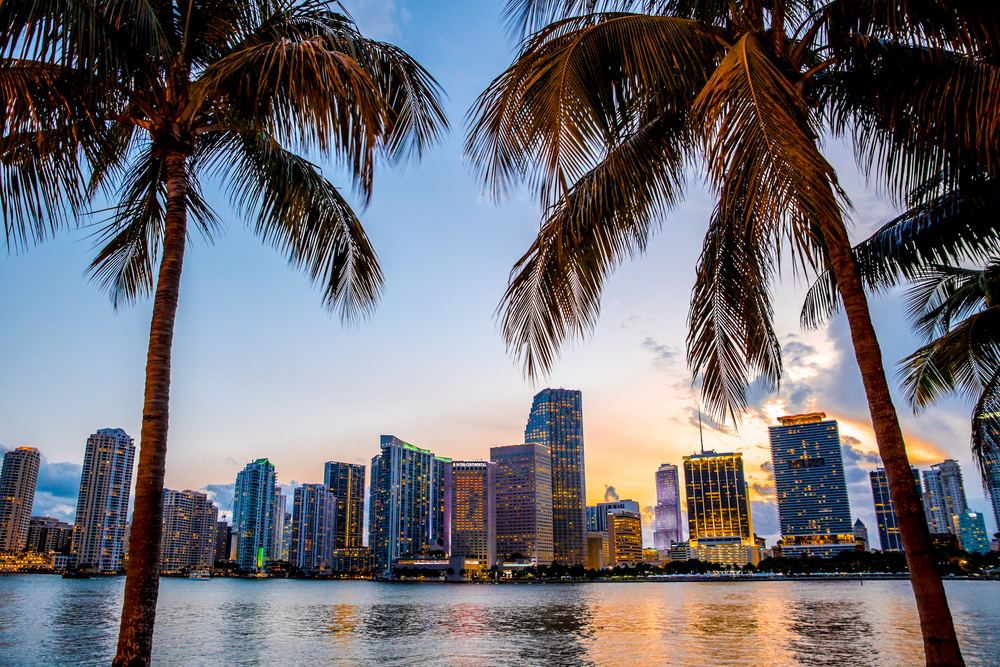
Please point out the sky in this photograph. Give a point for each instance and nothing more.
(261, 370)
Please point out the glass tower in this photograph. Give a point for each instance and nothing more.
(410, 504)
(718, 508)
(524, 502)
(18, 480)
(597, 515)
(347, 481)
(888, 526)
(993, 484)
(473, 510)
(944, 496)
(667, 523)
(253, 513)
(813, 509)
(314, 523)
(102, 507)
(556, 421)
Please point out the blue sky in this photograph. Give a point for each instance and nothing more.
(260, 370)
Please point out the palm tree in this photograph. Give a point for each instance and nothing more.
(139, 100)
(604, 108)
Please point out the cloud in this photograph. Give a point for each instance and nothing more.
(856, 462)
(630, 322)
(610, 495)
(708, 422)
(229, 460)
(763, 490)
(58, 489)
(380, 19)
(765, 520)
(223, 496)
(648, 515)
(663, 355)
(768, 467)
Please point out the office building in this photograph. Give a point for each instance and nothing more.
(102, 506)
(598, 550)
(861, 536)
(286, 538)
(597, 515)
(223, 541)
(624, 537)
(353, 560)
(18, 479)
(944, 496)
(971, 532)
(888, 525)
(253, 511)
(277, 525)
(992, 483)
(314, 523)
(667, 526)
(810, 487)
(347, 482)
(410, 502)
(473, 510)
(718, 508)
(46, 534)
(189, 530)
(556, 421)
(523, 502)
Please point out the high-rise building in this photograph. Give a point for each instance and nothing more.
(597, 515)
(888, 525)
(473, 510)
(286, 538)
(810, 487)
(189, 531)
(556, 421)
(598, 550)
(18, 479)
(944, 496)
(277, 525)
(624, 537)
(993, 484)
(971, 532)
(347, 481)
(861, 535)
(314, 523)
(524, 502)
(410, 505)
(223, 541)
(46, 534)
(253, 510)
(717, 500)
(667, 526)
(102, 506)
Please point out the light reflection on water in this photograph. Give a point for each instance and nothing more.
(47, 620)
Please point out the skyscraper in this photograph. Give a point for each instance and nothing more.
(189, 531)
(524, 502)
(410, 506)
(888, 526)
(18, 479)
(971, 532)
(277, 525)
(718, 509)
(347, 481)
(861, 535)
(597, 515)
(286, 538)
(46, 534)
(624, 537)
(223, 541)
(314, 523)
(993, 484)
(810, 486)
(473, 510)
(102, 506)
(944, 496)
(253, 509)
(556, 421)
(667, 527)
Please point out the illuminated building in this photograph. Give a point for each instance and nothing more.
(667, 526)
(253, 511)
(46, 534)
(810, 487)
(888, 525)
(523, 502)
(718, 510)
(347, 482)
(18, 479)
(102, 506)
(473, 510)
(314, 524)
(993, 484)
(944, 496)
(556, 421)
(410, 505)
(189, 529)
(356, 560)
(286, 538)
(971, 532)
(277, 525)
(624, 537)
(597, 515)
(598, 550)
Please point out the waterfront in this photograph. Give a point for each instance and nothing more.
(46, 620)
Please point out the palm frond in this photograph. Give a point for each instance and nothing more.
(986, 427)
(940, 296)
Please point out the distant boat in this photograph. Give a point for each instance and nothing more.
(75, 575)
(200, 576)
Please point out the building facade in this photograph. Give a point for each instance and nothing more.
(189, 530)
(253, 511)
(971, 532)
(810, 487)
(598, 550)
(347, 482)
(102, 506)
(944, 496)
(861, 536)
(624, 537)
(410, 502)
(46, 534)
(314, 524)
(717, 500)
(597, 515)
(223, 541)
(277, 525)
(667, 525)
(888, 525)
(18, 479)
(473, 510)
(992, 483)
(523, 502)
(556, 421)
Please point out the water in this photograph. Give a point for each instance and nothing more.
(47, 620)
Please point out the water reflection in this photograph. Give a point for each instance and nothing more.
(831, 632)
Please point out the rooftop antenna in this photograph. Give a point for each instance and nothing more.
(701, 434)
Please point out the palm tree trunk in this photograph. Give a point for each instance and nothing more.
(940, 643)
(135, 637)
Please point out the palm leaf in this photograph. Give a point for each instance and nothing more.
(942, 295)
